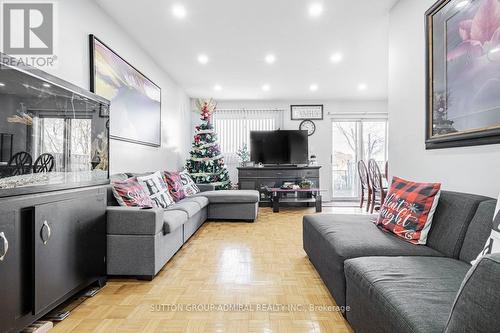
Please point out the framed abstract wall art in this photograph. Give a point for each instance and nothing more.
(463, 73)
(135, 112)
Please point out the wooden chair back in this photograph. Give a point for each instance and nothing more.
(363, 175)
(375, 175)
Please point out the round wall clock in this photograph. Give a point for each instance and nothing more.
(309, 126)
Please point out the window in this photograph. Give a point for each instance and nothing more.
(233, 129)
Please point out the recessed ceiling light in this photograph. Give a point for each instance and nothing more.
(203, 59)
(336, 57)
(462, 4)
(46, 85)
(217, 87)
(313, 87)
(266, 87)
(179, 11)
(2, 84)
(270, 58)
(315, 9)
(362, 86)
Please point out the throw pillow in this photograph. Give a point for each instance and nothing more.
(408, 209)
(175, 186)
(188, 185)
(130, 193)
(155, 187)
(493, 243)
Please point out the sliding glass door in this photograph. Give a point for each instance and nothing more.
(355, 140)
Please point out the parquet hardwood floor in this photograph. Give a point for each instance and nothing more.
(252, 264)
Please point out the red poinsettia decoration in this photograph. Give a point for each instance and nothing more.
(197, 138)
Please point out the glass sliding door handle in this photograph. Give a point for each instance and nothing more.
(5, 246)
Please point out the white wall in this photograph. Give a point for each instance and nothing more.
(469, 169)
(78, 19)
(320, 143)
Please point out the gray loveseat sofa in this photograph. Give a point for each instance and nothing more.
(389, 285)
(141, 241)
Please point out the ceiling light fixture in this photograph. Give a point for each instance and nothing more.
(266, 87)
(362, 86)
(217, 87)
(2, 84)
(315, 9)
(336, 57)
(203, 59)
(46, 85)
(313, 87)
(462, 4)
(495, 50)
(179, 11)
(270, 58)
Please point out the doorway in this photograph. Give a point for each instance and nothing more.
(354, 140)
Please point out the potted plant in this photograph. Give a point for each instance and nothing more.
(306, 183)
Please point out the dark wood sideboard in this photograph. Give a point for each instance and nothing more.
(52, 245)
(260, 178)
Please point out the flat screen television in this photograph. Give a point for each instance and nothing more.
(279, 147)
(53, 135)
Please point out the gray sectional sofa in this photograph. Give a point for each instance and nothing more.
(389, 285)
(141, 241)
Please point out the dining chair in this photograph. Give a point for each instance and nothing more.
(365, 185)
(376, 184)
(44, 163)
(20, 163)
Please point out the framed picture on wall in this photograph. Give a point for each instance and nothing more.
(463, 73)
(303, 112)
(135, 112)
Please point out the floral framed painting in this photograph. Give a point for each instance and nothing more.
(463, 73)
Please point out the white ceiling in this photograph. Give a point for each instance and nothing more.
(236, 35)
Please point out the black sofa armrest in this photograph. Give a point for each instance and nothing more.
(476, 306)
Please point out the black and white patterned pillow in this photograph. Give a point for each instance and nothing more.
(157, 189)
(493, 243)
(188, 185)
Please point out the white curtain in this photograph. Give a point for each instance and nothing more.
(233, 127)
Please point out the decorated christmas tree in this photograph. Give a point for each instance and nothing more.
(206, 164)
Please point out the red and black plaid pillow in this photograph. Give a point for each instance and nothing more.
(130, 193)
(175, 186)
(408, 209)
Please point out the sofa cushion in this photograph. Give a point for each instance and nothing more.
(408, 209)
(331, 239)
(173, 219)
(451, 220)
(129, 193)
(201, 201)
(174, 182)
(478, 231)
(231, 196)
(157, 190)
(402, 294)
(476, 306)
(191, 208)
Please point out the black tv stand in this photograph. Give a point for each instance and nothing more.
(262, 178)
(280, 166)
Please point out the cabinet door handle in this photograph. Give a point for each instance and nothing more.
(45, 237)
(5, 245)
